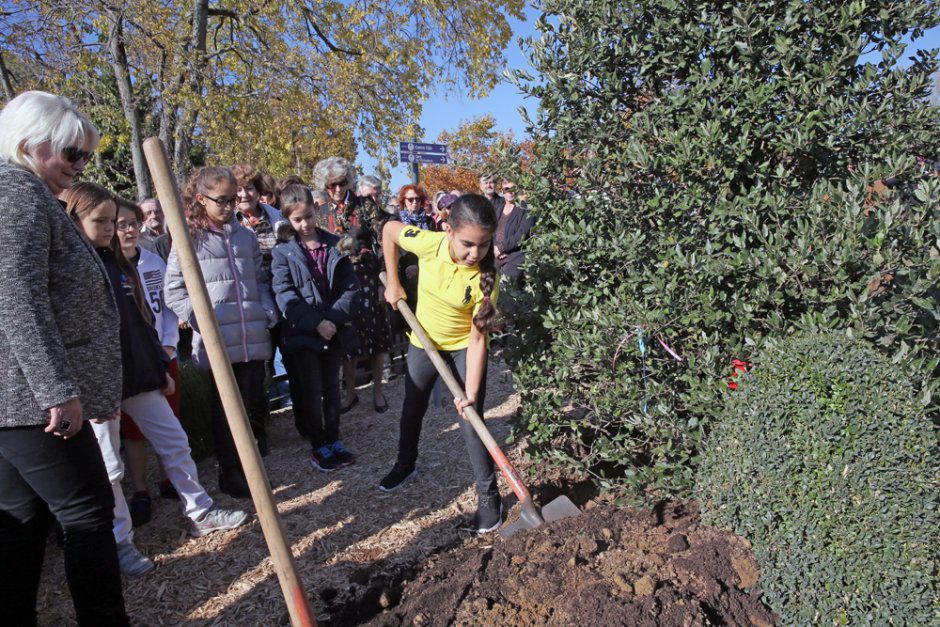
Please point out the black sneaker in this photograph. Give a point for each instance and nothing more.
(323, 459)
(140, 509)
(489, 514)
(396, 477)
(343, 455)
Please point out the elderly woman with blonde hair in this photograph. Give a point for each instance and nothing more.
(62, 361)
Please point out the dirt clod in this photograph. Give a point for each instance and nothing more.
(678, 543)
(746, 569)
(644, 586)
(622, 583)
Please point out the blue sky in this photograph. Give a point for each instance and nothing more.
(446, 111)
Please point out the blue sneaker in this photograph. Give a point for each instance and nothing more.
(344, 456)
(323, 459)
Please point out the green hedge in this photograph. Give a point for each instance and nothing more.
(823, 460)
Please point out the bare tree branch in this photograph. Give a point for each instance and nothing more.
(308, 17)
(218, 12)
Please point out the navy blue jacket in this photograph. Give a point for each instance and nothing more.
(145, 363)
(301, 303)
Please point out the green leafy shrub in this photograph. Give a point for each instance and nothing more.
(826, 464)
(710, 173)
(195, 404)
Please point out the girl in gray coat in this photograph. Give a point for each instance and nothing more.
(240, 292)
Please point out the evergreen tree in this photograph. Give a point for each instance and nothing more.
(709, 177)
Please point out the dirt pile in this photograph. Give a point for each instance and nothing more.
(607, 567)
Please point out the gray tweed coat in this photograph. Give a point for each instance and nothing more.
(59, 334)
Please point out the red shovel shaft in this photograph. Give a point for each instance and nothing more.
(515, 482)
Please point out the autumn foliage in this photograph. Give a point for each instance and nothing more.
(475, 147)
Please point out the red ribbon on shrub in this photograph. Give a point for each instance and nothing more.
(739, 367)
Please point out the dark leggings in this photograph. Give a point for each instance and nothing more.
(314, 391)
(419, 381)
(39, 473)
(249, 377)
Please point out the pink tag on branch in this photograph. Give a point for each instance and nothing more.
(668, 350)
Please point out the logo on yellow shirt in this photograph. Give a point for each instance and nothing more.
(466, 296)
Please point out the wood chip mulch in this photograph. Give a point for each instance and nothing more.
(340, 525)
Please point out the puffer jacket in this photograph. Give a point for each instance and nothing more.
(238, 289)
(300, 301)
(59, 338)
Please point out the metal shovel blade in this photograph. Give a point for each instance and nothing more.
(561, 507)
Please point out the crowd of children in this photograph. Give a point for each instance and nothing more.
(287, 268)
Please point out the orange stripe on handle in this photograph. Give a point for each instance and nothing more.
(515, 482)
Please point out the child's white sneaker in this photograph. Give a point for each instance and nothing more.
(217, 520)
(133, 563)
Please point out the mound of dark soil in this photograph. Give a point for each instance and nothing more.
(607, 567)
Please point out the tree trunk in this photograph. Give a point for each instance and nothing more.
(5, 79)
(167, 110)
(196, 68)
(119, 66)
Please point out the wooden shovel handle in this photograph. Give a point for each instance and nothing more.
(515, 482)
(298, 606)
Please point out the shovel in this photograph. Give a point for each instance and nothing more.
(530, 515)
(299, 608)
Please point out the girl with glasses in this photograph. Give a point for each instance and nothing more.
(151, 270)
(241, 297)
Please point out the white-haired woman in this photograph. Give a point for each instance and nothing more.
(349, 214)
(62, 362)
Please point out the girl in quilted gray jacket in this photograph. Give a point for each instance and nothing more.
(241, 297)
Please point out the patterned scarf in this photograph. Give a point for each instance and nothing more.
(419, 219)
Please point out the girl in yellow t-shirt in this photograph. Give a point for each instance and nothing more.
(457, 290)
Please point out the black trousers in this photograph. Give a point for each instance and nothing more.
(249, 376)
(314, 391)
(419, 380)
(42, 473)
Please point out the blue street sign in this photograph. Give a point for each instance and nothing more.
(416, 148)
(412, 157)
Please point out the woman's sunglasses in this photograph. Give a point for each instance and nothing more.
(73, 154)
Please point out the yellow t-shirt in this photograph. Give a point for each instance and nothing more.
(449, 294)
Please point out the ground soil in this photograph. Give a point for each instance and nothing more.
(399, 558)
(607, 567)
